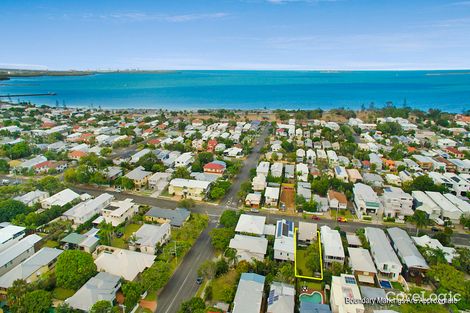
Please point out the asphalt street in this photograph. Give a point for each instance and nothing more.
(182, 285)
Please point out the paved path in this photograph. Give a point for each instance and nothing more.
(231, 198)
(182, 285)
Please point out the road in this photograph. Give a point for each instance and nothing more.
(231, 198)
(182, 285)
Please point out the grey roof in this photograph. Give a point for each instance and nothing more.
(310, 307)
(101, 287)
(177, 216)
(249, 296)
(29, 266)
(372, 292)
(406, 248)
(18, 248)
(380, 247)
(138, 173)
(150, 235)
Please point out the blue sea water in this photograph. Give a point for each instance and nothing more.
(445, 90)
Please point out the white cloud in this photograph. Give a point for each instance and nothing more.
(143, 16)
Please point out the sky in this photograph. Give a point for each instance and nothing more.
(235, 34)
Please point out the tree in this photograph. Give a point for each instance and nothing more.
(229, 218)
(286, 273)
(220, 237)
(102, 306)
(422, 183)
(37, 301)
(205, 157)
(11, 208)
(4, 166)
(50, 184)
(106, 232)
(125, 182)
(312, 257)
(16, 292)
(207, 269)
(194, 305)
(420, 219)
(132, 292)
(462, 261)
(187, 203)
(65, 308)
(217, 193)
(181, 172)
(156, 276)
(74, 268)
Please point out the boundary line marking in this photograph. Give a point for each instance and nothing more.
(295, 258)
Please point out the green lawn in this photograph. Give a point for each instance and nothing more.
(396, 285)
(344, 213)
(51, 244)
(127, 232)
(222, 285)
(62, 293)
(301, 263)
(310, 284)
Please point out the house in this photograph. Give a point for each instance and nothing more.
(136, 157)
(459, 185)
(251, 224)
(259, 182)
(463, 166)
(341, 174)
(276, 169)
(422, 202)
(302, 171)
(332, 246)
(289, 171)
(397, 203)
(139, 177)
(393, 179)
(386, 261)
(427, 242)
(123, 263)
(281, 298)
(262, 168)
(353, 240)
(366, 201)
(300, 155)
(462, 205)
(362, 265)
(215, 167)
(375, 180)
(150, 236)
(31, 269)
(271, 196)
(253, 200)
(10, 234)
(32, 197)
(456, 153)
(119, 212)
(249, 247)
(184, 160)
(311, 156)
(307, 233)
(17, 253)
(159, 180)
(284, 245)
(189, 188)
(102, 287)
(414, 264)
(176, 217)
(232, 152)
(303, 190)
(249, 295)
(77, 154)
(84, 211)
(61, 198)
(337, 200)
(112, 172)
(345, 287)
(29, 164)
(86, 242)
(448, 210)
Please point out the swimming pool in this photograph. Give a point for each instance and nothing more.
(385, 284)
(315, 297)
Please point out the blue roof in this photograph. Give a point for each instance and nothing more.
(253, 277)
(310, 307)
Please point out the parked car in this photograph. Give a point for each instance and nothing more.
(315, 217)
(199, 280)
(254, 210)
(342, 219)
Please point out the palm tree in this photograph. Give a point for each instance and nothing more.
(421, 220)
(106, 232)
(231, 255)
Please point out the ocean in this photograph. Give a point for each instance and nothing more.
(191, 90)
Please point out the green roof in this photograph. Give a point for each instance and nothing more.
(73, 238)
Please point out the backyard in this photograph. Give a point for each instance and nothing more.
(127, 233)
(308, 261)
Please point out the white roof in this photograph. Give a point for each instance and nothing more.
(360, 260)
(32, 264)
(281, 298)
(61, 198)
(331, 241)
(118, 208)
(271, 192)
(88, 207)
(406, 248)
(284, 244)
(249, 243)
(101, 287)
(426, 241)
(249, 295)
(31, 196)
(150, 234)
(307, 231)
(459, 203)
(9, 231)
(124, 263)
(189, 183)
(251, 224)
(380, 247)
(17, 249)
